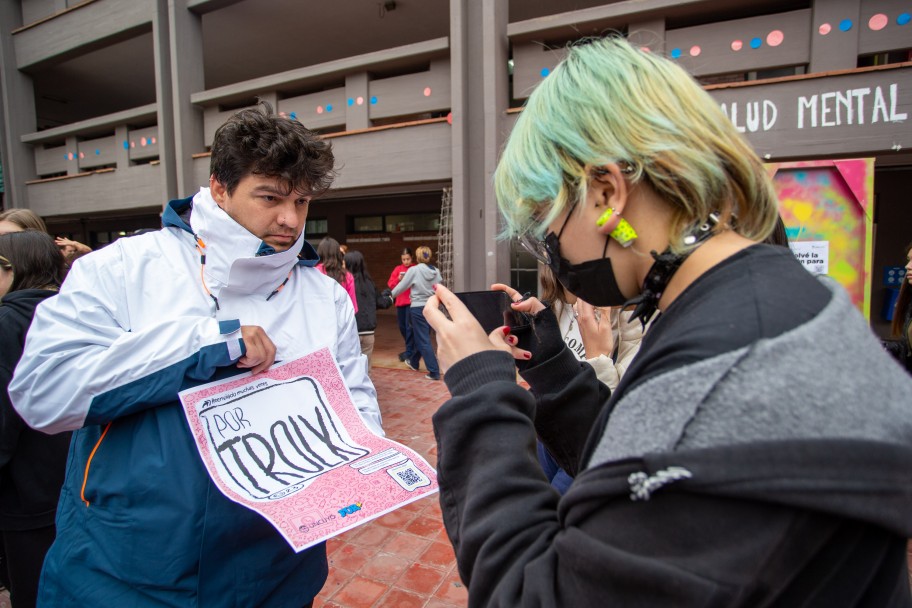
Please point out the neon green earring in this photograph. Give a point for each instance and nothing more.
(622, 232)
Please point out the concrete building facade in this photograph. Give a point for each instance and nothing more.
(107, 107)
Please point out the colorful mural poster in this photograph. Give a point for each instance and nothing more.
(831, 201)
(290, 444)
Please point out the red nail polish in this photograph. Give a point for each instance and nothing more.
(527, 355)
(506, 331)
(434, 287)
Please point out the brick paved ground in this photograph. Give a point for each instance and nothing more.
(402, 559)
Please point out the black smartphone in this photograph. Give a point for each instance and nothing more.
(492, 310)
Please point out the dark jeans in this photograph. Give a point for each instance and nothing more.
(421, 332)
(25, 553)
(558, 477)
(405, 328)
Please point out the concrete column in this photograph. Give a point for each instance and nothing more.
(271, 97)
(121, 153)
(835, 50)
(356, 89)
(17, 113)
(72, 146)
(479, 50)
(185, 133)
(649, 34)
(161, 51)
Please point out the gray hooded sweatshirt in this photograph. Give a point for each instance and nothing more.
(421, 278)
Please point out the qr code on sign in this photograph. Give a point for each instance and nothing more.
(409, 476)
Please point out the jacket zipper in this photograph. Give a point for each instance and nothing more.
(85, 478)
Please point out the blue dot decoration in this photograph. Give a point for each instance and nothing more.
(66, 156)
(756, 43)
(845, 25)
(373, 100)
(903, 19)
(293, 116)
(329, 108)
(351, 102)
(544, 72)
(126, 145)
(675, 53)
(97, 152)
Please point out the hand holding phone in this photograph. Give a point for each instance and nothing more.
(467, 325)
(492, 310)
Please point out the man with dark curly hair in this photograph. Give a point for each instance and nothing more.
(227, 286)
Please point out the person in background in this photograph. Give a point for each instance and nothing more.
(16, 220)
(332, 264)
(225, 289)
(32, 464)
(755, 453)
(71, 250)
(900, 343)
(421, 279)
(369, 300)
(403, 304)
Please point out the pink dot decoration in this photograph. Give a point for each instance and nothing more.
(70, 156)
(449, 118)
(319, 109)
(695, 51)
(775, 38)
(737, 45)
(132, 144)
(153, 141)
(825, 29)
(646, 49)
(360, 101)
(143, 142)
(427, 91)
(878, 22)
(82, 155)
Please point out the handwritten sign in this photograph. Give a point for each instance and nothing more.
(290, 444)
(815, 255)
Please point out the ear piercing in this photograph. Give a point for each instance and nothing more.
(617, 227)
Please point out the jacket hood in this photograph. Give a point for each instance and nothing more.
(426, 271)
(858, 479)
(24, 301)
(233, 255)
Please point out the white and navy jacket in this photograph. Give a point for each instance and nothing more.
(139, 519)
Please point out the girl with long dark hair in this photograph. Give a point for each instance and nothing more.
(32, 464)
(403, 303)
(332, 264)
(369, 300)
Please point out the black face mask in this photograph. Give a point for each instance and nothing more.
(593, 281)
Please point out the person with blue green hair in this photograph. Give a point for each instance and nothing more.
(747, 457)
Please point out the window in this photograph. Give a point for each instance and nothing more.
(793, 70)
(400, 222)
(885, 58)
(316, 227)
(413, 222)
(372, 223)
